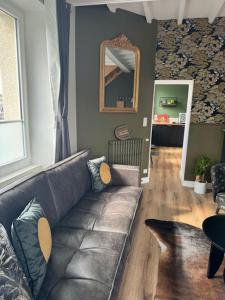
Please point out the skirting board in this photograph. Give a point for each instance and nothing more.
(190, 184)
(144, 180)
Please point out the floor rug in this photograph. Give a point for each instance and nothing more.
(183, 263)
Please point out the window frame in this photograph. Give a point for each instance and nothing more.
(26, 160)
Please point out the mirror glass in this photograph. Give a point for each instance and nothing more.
(119, 77)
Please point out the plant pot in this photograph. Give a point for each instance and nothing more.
(200, 187)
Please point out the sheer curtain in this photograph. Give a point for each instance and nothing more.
(58, 31)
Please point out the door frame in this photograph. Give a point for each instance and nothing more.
(190, 84)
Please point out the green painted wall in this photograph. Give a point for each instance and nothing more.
(203, 139)
(95, 24)
(178, 91)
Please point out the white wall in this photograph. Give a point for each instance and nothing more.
(72, 86)
(41, 118)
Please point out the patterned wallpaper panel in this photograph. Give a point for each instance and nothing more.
(195, 50)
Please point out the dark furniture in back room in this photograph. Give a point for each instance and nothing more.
(168, 135)
(218, 185)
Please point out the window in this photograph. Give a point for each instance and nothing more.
(12, 126)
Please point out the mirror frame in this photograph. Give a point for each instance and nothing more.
(119, 42)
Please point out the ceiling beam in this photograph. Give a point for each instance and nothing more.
(214, 12)
(117, 61)
(148, 11)
(101, 2)
(181, 12)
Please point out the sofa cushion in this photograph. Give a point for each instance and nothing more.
(14, 199)
(69, 180)
(78, 264)
(13, 283)
(94, 166)
(26, 242)
(105, 211)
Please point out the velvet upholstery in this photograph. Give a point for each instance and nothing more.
(25, 239)
(218, 185)
(218, 179)
(91, 231)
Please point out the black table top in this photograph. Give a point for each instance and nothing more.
(214, 229)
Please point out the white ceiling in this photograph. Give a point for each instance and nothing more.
(164, 9)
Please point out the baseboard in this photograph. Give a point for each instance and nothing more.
(190, 184)
(144, 180)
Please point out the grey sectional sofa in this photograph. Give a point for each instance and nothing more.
(91, 231)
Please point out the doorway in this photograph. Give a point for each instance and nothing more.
(171, 116)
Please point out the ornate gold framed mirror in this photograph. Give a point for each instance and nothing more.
(119, 75)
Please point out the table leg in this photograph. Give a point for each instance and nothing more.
(215, 260)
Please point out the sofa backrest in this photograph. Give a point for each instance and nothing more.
(57, 189)
(14, 200)
(69, 180)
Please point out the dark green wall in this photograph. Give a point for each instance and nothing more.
(93, 25)
(203, 139)
(178, 91)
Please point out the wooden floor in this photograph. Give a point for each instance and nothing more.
(164, 198)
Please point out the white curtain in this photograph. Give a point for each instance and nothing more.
(53, 52)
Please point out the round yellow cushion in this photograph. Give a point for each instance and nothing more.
(105, 173)
(45, 238)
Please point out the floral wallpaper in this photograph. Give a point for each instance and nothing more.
(195, 50)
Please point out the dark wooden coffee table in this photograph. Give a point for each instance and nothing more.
(214, 228)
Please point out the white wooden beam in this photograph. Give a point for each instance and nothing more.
(148, 11)
(117, 61)
(101, 2)
(216, 8)
(181, 12)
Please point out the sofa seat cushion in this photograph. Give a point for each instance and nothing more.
(78, 264)
(115, 190)
(105, 211)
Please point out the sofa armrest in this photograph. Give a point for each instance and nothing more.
(218, 179)
(125, 175)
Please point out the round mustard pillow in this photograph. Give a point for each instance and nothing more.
(45, 237)
(105, 173)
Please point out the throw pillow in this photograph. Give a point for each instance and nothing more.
(32, 241)
(104, 172)
(13, 283)
(100, 173)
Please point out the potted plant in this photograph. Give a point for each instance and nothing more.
(201, 167)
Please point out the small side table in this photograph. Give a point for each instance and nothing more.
(214, 229)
